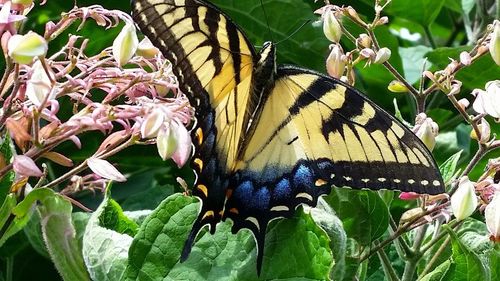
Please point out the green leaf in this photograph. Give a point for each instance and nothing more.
(363, 213)
(6, 181)
(449, 168)
(33, 231)
(294, 247)
(325, 217)
(59, 235)
(250, 17)
(468, 266)
(22, 212)
(413, 61)
(423, 12)
(494, 261)
(449, 143)
(473, 76)
(105, 251)
(439, 272)
(113, 218)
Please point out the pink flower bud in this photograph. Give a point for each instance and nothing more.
(465, 58)
(492, 217)
(363, 41)
(125, 44)
(104, 169)
(382, 55)
(464, 201)
(335, 63)
(331, 26)
(26, 167)
(183, 152)
(484, 130)
(367, 53)
(409, 196)
(24, 48)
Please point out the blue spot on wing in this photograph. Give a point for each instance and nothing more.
(303, 176)
(261, 199)
(283, 190)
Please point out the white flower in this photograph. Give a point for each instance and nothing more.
(464, 201)
(492, 217)
(166, 142)
(104, 169)
(183, 151)
(39, 86)
(335, 63)
(382, 55)
(151, 124)
(488, 102)
(427, 130)
(125, 44)
(331, 26)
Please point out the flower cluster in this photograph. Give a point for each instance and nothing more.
(129, 105)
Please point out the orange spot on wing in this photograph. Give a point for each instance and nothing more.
(203, 188)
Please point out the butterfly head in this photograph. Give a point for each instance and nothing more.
(267, 57)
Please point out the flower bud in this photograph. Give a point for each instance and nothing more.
(24, 48)
(183, 152)
(463, 103)
(464, 201)
(125, 44)
(492, 217)
(151, 124)
(488, 102)
(397, 86)
(105, 170)
(146, 49)
(495, 43)
(427, 130)
(363, 41)
(368, 54)
(26, 167)
(39, 86)
(335, 63)
(354, 15)
(382, 55)
(166, 143)
(23, 2)
(484, 130)
(382, 21)
(465, 58)
(331, 26)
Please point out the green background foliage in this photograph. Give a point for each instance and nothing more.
(298, 246)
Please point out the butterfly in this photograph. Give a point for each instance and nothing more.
(270, 137)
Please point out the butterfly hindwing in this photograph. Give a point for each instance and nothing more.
(314, 132)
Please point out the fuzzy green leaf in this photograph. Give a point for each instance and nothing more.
(60, 237)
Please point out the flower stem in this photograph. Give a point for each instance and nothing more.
(386, 266)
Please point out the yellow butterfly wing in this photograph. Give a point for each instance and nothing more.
(214, 65)
(313, 132)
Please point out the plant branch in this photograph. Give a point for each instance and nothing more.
(386, 265)
(428, 34)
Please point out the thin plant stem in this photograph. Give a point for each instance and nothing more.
(9, 264)
(428, 33)
(386, 266)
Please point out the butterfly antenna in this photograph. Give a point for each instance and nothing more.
(267, 21)
(294, 32)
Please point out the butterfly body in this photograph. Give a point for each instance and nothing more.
(270, 137)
